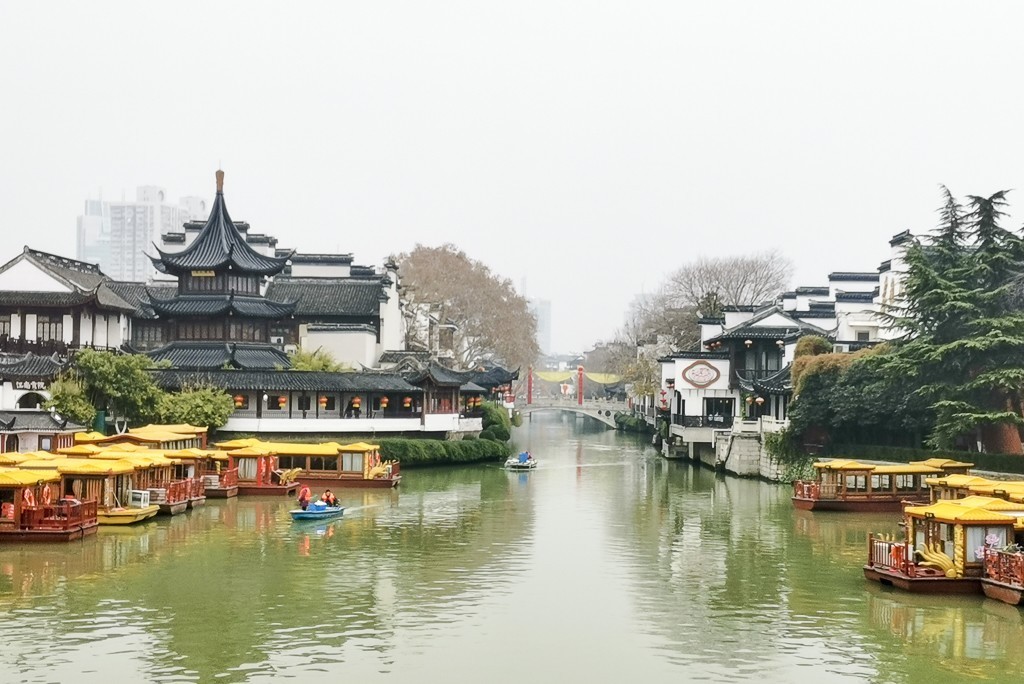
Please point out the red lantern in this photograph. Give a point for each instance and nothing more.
(383, 402)
(239, 401)
(406, 402)
(323, 402)
(282, 401)
(356, 402)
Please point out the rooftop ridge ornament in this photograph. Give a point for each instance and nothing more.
(220, 182)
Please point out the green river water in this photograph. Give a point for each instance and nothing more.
(606, 564)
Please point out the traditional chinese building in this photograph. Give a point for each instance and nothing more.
(218, 316)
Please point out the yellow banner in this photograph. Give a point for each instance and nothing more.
(570, 376)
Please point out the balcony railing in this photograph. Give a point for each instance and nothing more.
(309, 414)
(703, 421)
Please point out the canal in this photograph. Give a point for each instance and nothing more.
(605, 564)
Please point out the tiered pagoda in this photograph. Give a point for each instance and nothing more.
(219, 318)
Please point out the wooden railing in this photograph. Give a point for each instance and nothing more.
(196, 488)
(892, 555)
(62, 515)
(1005, 567)
(229, 478)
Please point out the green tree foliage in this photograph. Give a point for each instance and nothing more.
(119, 384)
(68, 398)
(965, 344)
(807, 347)
(316, 360)
(494, 321)
(200, 405)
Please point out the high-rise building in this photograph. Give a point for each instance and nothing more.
(117, 235)
(541, 309)
(92, 234)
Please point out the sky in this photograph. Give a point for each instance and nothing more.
(584, 150)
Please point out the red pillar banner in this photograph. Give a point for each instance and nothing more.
(529, 385)
(579, 385)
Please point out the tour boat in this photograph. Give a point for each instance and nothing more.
(944, 549)
(328, 465)
(846, 485)
(1003, 579)
(258, 472)
(107, 482)
(192, 467)
(155, 474)
(523, 461)
(31, 510)
(317, 510)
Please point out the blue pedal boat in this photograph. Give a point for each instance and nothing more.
(317, 510)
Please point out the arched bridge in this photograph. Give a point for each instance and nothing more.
(603, 411)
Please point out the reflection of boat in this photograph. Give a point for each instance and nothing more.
(845, 485)
(944, 547)
(524, 461)
(317, 510)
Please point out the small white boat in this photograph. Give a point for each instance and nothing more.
(524, 461)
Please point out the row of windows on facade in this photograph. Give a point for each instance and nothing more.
(352, 463)
(47, 327)
(328, 404)
(221, 282)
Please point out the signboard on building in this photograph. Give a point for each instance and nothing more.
(30, 384)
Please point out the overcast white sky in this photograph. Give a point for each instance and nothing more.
(586, 148)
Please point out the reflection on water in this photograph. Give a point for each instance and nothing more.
(609, 562)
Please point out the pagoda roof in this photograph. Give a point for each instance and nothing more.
(439, 375)
(219, 246)
(216, 305)
(214, 355)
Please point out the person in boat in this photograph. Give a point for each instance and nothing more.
(304, 495)
(329, 498)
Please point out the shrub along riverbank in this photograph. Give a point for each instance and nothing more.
(423, 452)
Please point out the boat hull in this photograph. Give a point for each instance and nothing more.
(126, 516)
(317, 483)
(221, 492)
(265, 490)
(298, 515)
(70, 534)
(852, 505)
(1007, 593)
(197, 502)
(923, 585)
(175, 508)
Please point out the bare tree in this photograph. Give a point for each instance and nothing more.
(750, 279)
(492, 320)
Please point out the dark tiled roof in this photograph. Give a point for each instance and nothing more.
(812, 290)
(708, 320)
(855, 296)
(439, 375)
(219, 246)
(29, 365)
(35, 421)
(739, 308)
(850, 276)
(758, 332)
(362, 271)
(821, 307)
(84, 280)
(137, 294)
(300, 381)
(494, 377)
(321, 258)
(780, 383)
(343, 327)
(329, 296)
(215, 305)
(472, 387)
(214, 355)
(885, 266)
(900, 238)
(695, 355)
(396, 356)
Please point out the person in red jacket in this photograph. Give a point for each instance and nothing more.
(304, 495)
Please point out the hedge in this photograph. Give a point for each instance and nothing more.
(420, 452)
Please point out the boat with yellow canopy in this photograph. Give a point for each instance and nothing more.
(110, 482)
(30, 510)
(848, 485)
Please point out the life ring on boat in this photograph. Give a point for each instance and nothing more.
(46, 495)
(27, 497)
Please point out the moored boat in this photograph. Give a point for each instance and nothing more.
(847, 485)
(258, 472)
(106, 481)
(944, 547)
(329, 464)
(30, 509)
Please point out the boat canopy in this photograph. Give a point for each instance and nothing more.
(179, 428)
(905, 469)
(954, 512)
(843, 464)
(943, 463)
(357, 447)
(82, 449)
(83, 466)
(956, 480)
(238, 443)
(27, 478)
